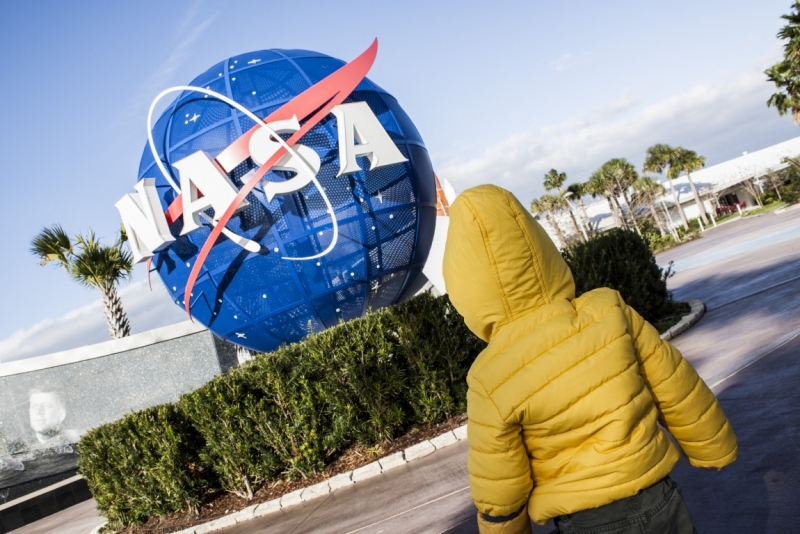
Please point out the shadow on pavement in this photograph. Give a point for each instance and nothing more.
(759, 492)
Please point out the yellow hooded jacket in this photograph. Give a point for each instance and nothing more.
(564, 402)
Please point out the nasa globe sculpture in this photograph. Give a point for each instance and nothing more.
(288, 192)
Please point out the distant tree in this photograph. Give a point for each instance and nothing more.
(648, 190)
(712, 194)
(545, 205)
(623, 175)
(684, 160)
(793, 164)
(659, 159)
(600, 185)
(751, 186)
(775, 181)
(562, 199)
(786, 73)
(92, 264)
(555, 180)
(579, 190)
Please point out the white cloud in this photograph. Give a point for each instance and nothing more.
(718, 119)
(86, 325)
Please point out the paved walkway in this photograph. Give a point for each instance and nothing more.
(82, 518)
(748, 274)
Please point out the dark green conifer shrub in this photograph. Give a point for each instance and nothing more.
(621, 260)
(144, 465)
(431, 337)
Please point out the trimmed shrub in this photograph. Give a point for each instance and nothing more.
(286, 414)
(621, 259)
(791, 193)
(655, 240)
(233, 422)
(439, 363)
(143, 465)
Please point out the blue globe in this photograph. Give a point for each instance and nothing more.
(386, 216)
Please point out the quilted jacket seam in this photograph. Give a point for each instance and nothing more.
(631, 366)
(559, 342)
(701, 416)
(612, 462)
(732, 451)
(520, 501)
(592, 421)
(534, 260)
(526, 475)
(492, 260)
(694, 388)
(726, 423)
(606, 488)
(473, 422)
(473, 449)
(673, 374)
(489, 398)
(568, 369)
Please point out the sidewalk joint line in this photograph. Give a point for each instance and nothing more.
(409, 510)
(769, 350)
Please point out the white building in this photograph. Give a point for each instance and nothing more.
(723, 183)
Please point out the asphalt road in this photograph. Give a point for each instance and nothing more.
(746, 347)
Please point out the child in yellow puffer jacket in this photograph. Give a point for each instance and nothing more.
(565, 401)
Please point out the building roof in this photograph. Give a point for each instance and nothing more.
(731, 172)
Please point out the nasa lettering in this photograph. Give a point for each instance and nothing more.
(282, 190)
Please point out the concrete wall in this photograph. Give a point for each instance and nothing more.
(48, 402)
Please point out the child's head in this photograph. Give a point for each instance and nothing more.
(499, 263)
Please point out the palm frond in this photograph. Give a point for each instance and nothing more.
(53, 244)
(99, 265)
(554, 179)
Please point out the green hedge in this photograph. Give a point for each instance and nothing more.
(288, 413)
(144, 465)
(622, 260)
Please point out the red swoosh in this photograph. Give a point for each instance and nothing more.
(331, 91)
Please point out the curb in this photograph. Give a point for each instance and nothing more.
(784, 209)
(378, 467)
(687, 321)
(341, 480)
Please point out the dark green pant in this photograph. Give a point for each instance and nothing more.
(658, 509)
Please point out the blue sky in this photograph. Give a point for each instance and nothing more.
(500, 91)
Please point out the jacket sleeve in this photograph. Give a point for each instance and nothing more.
(499, 469)
(687, 407)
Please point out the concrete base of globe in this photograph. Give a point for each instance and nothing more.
(48, 402)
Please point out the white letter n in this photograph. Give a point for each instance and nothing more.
(144, 220)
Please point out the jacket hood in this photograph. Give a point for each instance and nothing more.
(499, 263)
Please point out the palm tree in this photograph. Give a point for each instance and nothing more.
(555, 180)
(545, 205)
(687, 161)
(599, 184)
(562, 200)
(623, 175)
(788, 101)
(648, 189)
(92, 264)
(786, 73)
(579, 190)
(659, 159)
